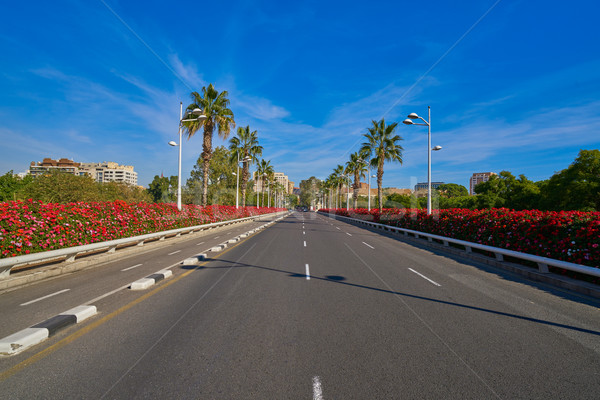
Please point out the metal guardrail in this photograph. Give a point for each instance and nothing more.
(499, 253)
(69, 254)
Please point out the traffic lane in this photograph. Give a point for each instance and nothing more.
(366, 344)
(221, 332)
(32, 304)
(524, 298)
(470, 319)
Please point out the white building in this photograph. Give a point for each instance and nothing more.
(100, 172)
(280, 177)
(110, 172)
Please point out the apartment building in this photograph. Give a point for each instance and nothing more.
(47, 165)
(477, 178)
(260, 183)
(100, 172)
(109, 171)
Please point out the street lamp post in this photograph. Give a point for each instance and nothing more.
(348, 192)
(200, 117)
(409, 121)
(237, 183)
(369, 191)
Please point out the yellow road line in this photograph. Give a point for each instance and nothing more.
(75, 335)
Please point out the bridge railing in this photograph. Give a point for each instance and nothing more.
(69, 254)
(499, 253)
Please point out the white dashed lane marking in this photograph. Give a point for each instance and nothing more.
(45, 297)
(424, 277)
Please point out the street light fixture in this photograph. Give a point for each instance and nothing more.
(409, 121)
(199, 117)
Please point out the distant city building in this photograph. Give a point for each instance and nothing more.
(290, 188)
(260, 183)
(424, 186)
(47, 165)
(363, 190)
(477, 178)
(107, 171)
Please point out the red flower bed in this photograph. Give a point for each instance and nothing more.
(31, 226)
(572, 236)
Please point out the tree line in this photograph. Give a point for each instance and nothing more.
(61, 187)
(575, 188)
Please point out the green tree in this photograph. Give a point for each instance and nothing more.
(577, 187)
(338, 180)
(60, 187)
(382, 145)
(450, 190)
(264, 172)
(163, 189)
(245, 145)
(357, 167)
(11, 185)
(505, 190)
(309, 189)
(220, 178)
(214, 106)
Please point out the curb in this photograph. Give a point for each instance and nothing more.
(35, 334)
(148, 281)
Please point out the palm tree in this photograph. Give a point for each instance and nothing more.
(357, 167)
(338, 179)
(245, 144)
(328, 186)
(264, 170)
(383, 147)
(215, 106)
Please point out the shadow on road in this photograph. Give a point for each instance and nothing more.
(340, 280)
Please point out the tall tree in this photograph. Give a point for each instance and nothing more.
(244, 145)
(163, 189)
(214, 106)
(338, 179)
(264, 171)
(356, 166)
(382, 145)
(221, 181)
(309, 189)
(577, 187)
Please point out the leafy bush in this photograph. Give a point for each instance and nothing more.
(32, 226)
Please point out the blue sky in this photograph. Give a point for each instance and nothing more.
(513, 85)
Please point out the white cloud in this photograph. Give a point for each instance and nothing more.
(189, 73)
(260, 108)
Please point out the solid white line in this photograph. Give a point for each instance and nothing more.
(175, 252)
(348, 234)
(135, 266)
(307, 273)
(305, 243)
(317, 390)
(424, 277)
(367, 244)
(45, 297)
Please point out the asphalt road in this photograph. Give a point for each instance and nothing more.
(317, 308)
